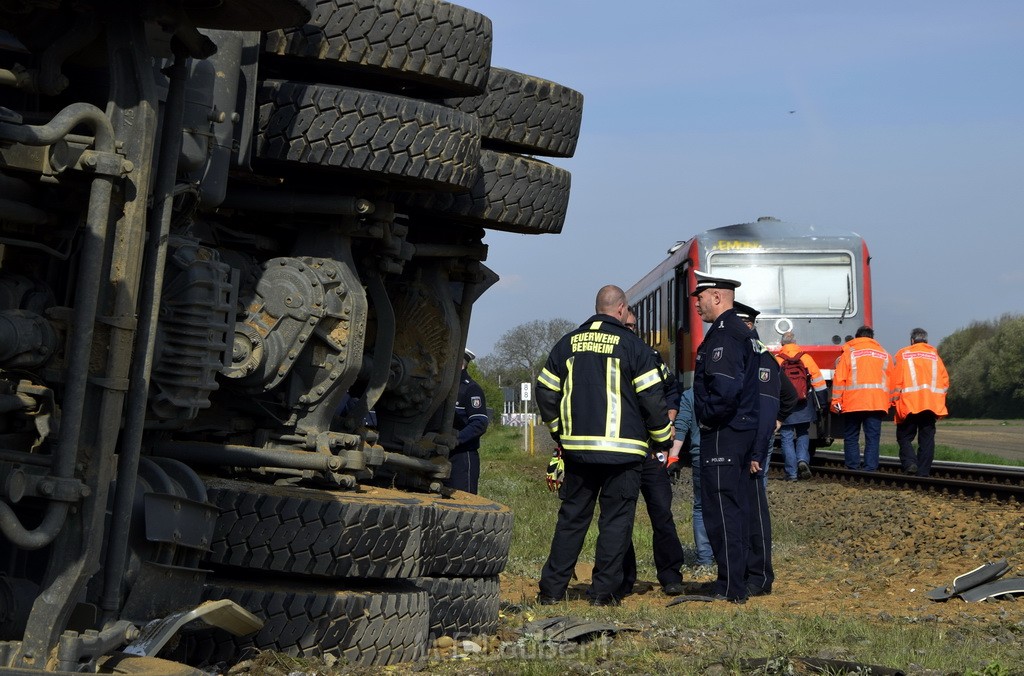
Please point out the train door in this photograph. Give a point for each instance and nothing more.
(682, 329)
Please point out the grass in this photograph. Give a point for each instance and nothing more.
(687, 639)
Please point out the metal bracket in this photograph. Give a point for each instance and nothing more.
(224, 614)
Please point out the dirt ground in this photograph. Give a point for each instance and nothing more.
(880, 554)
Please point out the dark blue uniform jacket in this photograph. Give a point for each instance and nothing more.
(725, 385)
(470, 414)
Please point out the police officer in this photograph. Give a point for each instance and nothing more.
(470, 422)
(657, 491)
(726, 399)
(777, 399)
(600, 396)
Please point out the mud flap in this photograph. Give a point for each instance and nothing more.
(223, 614)
(969, 580)
(568, 628)
(690, 597)
(1012, 585)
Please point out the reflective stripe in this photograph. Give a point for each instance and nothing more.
(926, 386)
(663, 434)
(879, 386)
(549, 380)
(565, 409)
(645, 380)
(613, 405)
(553, 425)
(915, 386)
(620, 445)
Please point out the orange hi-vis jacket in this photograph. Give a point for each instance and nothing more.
(792, 350)
(920, 381)
(863, 377)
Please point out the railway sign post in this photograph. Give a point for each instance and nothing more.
(524, 397)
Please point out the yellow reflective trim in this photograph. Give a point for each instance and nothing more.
(565, 407)
(619, 445)
(645, 380)
(549, 380)
(613, 406)
(663, 434)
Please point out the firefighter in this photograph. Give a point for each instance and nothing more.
(861, 394)
(471, 422)
(726, 399)
(920, 383)
(600, 396)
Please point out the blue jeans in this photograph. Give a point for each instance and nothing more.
(872, 423)
(796, 444)
(705, 557)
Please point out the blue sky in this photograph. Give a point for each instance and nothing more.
(909, 130)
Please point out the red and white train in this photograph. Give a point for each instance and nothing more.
(816, 284)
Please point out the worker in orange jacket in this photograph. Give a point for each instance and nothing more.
(795, 433)
(920, 383)
(861, 394)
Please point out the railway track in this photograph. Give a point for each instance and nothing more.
(998, 482)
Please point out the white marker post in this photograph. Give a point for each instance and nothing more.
(524, 396)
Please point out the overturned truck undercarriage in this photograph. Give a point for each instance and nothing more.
(229, 231)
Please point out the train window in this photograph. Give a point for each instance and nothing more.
(670, 305)
(793, 283)
(656, 319)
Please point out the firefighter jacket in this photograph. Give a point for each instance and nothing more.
(863, 377)
(725, 385)
(919, 382)
(669, 384)
(600, 393)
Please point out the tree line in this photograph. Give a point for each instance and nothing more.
(986, 369)
(985, 361)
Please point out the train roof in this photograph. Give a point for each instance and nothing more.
(769, 227)
(783, 234)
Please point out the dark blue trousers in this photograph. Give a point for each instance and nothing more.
(616, 488)
(760, 574)
(725, 484)
(668, 551)
(921, 425)
(465, 471)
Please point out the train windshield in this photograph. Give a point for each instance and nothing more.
(812, 283)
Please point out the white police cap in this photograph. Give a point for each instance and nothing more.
(706, 281)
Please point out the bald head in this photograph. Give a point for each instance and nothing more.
(788, 338)
(611, 300)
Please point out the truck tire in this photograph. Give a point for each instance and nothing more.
(365, 627)
(526, 114)
(376, 533)
(441, 47)
(375, 135)
(462, 607)
(470, 536)
(513, 193)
